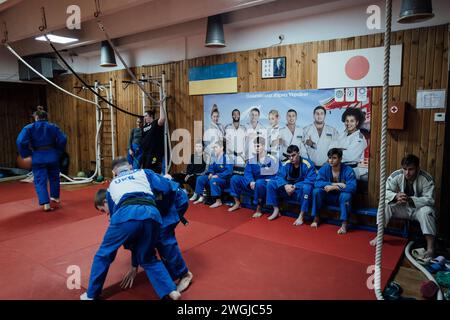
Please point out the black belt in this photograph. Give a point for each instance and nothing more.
(138, 201)
(43, 148)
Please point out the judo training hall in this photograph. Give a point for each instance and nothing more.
(224, 150)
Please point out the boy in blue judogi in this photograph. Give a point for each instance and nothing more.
(295, 181)
(217, 177)
(172, 207)
(135, 223)
(335, 184)
(45, 142)
(258, 171)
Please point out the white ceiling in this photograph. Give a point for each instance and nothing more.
(7, 4)
(132, 21)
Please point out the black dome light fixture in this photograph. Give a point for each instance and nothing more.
(413, 11)
(107, 56)
(215, 37)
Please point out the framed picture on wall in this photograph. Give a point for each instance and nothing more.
(273, 68)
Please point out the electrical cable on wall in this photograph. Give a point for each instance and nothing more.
(84, 82)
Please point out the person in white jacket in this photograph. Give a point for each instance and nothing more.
(273, 134)
(410, 195)
(318, 136)
(351, 141)
(253, 129)
(235, 134)
(215, 132)
(292, 134)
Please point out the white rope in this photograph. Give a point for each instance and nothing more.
(79, 180)
(44, 78)
(383, 151)
(132, 75)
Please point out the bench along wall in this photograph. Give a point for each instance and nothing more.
(425, 66)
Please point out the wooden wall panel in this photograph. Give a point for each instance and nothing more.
(425, 62)
(18, 101)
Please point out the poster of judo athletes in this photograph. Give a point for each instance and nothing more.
(342, 116)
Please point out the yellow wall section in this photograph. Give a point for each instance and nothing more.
(225, 85)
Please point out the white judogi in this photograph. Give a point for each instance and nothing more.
(251, 134)
(235, 138)
(288, 138)
(421, 207)
(318, 152)
(214, 133)
(353, 146)
(274, 134)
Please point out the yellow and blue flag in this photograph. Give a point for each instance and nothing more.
(219, 78)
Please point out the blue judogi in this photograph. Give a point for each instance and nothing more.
(304, 184)
(172, 207)
(258, 172)
(45, 142)
(136, 227)
(340, 198)
(135, 159)
(223, 168)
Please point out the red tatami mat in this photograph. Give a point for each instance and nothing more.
(236, 266)
(352, 246)
(218, 216)
(231, 255)
(12, 191)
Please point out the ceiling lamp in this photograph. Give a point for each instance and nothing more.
(415, 11)
(107, 56)
(215, 37)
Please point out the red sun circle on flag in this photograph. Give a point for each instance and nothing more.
(357, 67)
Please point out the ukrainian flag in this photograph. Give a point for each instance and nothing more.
(220, 78)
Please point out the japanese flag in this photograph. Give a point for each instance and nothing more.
(358, 68)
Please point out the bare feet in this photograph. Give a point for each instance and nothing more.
(194, 197)
(235, 207)
(257, 215)
(84, 296)
(56, 200)
(343, 229)
(373, 242)
(216, 204)
(299, 220)
(200, 200)
(185, 282)
(315, 223)
(174, 295)
(275, 214)
(46, 207)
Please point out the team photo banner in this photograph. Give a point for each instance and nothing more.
(314, 120)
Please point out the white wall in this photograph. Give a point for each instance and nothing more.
(9, 68)
(264, 32)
